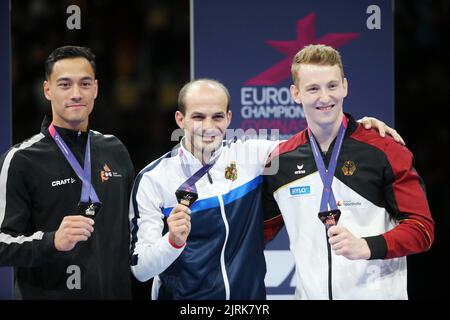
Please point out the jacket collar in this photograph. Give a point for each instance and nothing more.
(65, 133)
(188, 160)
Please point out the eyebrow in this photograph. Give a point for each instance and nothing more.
(315, 84)
(197, 114)
(70, 79)
(203, 114)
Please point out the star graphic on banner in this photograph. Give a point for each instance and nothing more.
(306, 34)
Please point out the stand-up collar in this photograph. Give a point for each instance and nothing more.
(76, 140)
(189, 160)
(63, 132)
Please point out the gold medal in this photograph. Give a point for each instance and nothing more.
(231, 171)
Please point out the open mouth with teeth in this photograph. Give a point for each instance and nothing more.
(325, 108)
(208, 138)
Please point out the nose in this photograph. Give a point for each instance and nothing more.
(76, 93)
(324, 96)
(207, 123)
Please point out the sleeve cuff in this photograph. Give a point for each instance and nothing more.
(377, 246)
(47, 245)
(173, 245)
(49, 242)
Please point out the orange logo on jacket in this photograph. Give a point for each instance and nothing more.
(106, 173)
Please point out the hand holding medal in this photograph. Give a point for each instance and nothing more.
(179, 220)
(329, 218)
(89, 204)
(186, 197)
(74, 229)
(346, 244)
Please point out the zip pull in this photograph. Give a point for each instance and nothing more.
(209, 177)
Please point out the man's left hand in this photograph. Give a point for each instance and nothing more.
(383, 128)
(344, 243)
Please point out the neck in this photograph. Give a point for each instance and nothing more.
(325, 134)
(203, 157)
(75, 126)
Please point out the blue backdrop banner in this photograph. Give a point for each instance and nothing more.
(5, 119)
(249, 45)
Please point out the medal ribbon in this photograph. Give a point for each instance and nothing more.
(87, 190)
(189, 184)
(327, 175)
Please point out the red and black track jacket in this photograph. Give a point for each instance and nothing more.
(382, 199)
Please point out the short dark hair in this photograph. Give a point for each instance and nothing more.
(185, 89)
(68, 52)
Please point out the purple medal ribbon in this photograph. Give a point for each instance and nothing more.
(87, 190)
(327, 175)
(189, 184)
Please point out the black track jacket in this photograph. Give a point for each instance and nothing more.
(38, 188)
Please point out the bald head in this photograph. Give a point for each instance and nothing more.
(202, 85)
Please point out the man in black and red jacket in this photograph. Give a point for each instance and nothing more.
(353, 204)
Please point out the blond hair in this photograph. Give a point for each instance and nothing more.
(315, 54)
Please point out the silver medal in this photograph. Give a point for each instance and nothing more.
(90, 211)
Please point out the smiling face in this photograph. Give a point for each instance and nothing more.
(321, 90)
(205, 118)
(71, 89)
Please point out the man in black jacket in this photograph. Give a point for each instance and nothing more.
(64, 195)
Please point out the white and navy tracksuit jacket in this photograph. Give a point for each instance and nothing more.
(381, 198)
(223, 257)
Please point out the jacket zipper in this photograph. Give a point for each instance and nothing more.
(222, 254)
(209, 177)
(330, 287)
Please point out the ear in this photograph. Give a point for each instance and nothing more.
(179, 119)
(229, 116)
(295, 93)
(96, 89)
(46, 87)
(345, 85)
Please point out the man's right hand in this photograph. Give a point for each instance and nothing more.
(179, 223)
(72, 230)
